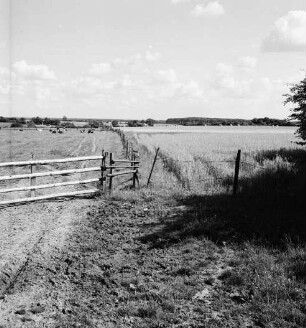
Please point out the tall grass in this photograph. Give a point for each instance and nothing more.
(204, 162)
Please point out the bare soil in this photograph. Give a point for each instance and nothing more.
(100, 263)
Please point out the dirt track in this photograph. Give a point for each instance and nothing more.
(100, 263)
(33, 232)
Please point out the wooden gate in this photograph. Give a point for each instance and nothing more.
(110, 171)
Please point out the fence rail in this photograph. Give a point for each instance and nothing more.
(51, 173)
(51, 161)
(110, 171)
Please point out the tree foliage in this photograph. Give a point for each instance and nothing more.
(115, 123)
(297, 96)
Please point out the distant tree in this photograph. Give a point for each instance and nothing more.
(94, 124)
(31, 124)
(297, 96)
(65, 118)
(150, 122)
(115, 123)
(51, 121)
(133, 123)
(22, 120)
(69, 125)
(3, 119)
(37, 120)
(16, 125)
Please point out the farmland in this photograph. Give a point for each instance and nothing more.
(183, 252)
(28, 144)
(203, 160)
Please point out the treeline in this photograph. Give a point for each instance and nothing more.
(135, 123)
(196, 121)
(18, 122)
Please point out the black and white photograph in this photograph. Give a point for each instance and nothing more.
(152, 163)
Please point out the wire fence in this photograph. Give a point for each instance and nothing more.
(214, 172)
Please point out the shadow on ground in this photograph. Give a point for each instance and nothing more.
(270, 207)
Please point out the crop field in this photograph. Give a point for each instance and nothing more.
(25, 145)
(205, 162)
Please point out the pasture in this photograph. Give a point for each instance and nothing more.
(27, 144)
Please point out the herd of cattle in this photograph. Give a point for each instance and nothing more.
(61, 130)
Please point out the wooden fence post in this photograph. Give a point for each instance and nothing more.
(236, 177)
(134, 174)
(32, 180)
(127, 150)
(102, 172)
(155, 158)
(110, 170)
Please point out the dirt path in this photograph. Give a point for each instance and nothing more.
(111, 265)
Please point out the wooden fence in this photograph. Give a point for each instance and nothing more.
(107, 172)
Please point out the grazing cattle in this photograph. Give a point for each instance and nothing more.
(90, 131)
(53, 131)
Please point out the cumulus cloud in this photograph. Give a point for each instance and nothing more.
(4, 73)
(192, 89)
(167, 75)
(247, 63)
(226, 82)
(179, 1)
(4, 90)
(288, 33)
(211, 9)
(33, 72)
(100, 69)
(224, 69)
(152, 56)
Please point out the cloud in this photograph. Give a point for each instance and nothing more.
(179, 1)
(225, 82)
(99, 69)
(247, 63)
(32, 72)
(211, 9)
(224, 69)
(4, 90)
(167, 75)
(288, 33)
(152, 56)
(228, 82)
(4, 73)
(192, 89)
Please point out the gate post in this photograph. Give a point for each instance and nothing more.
(110, 171)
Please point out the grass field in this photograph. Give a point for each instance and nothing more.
(204, 162)
(264, 224)
(22, 145)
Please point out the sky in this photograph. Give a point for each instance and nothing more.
(139, 59)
